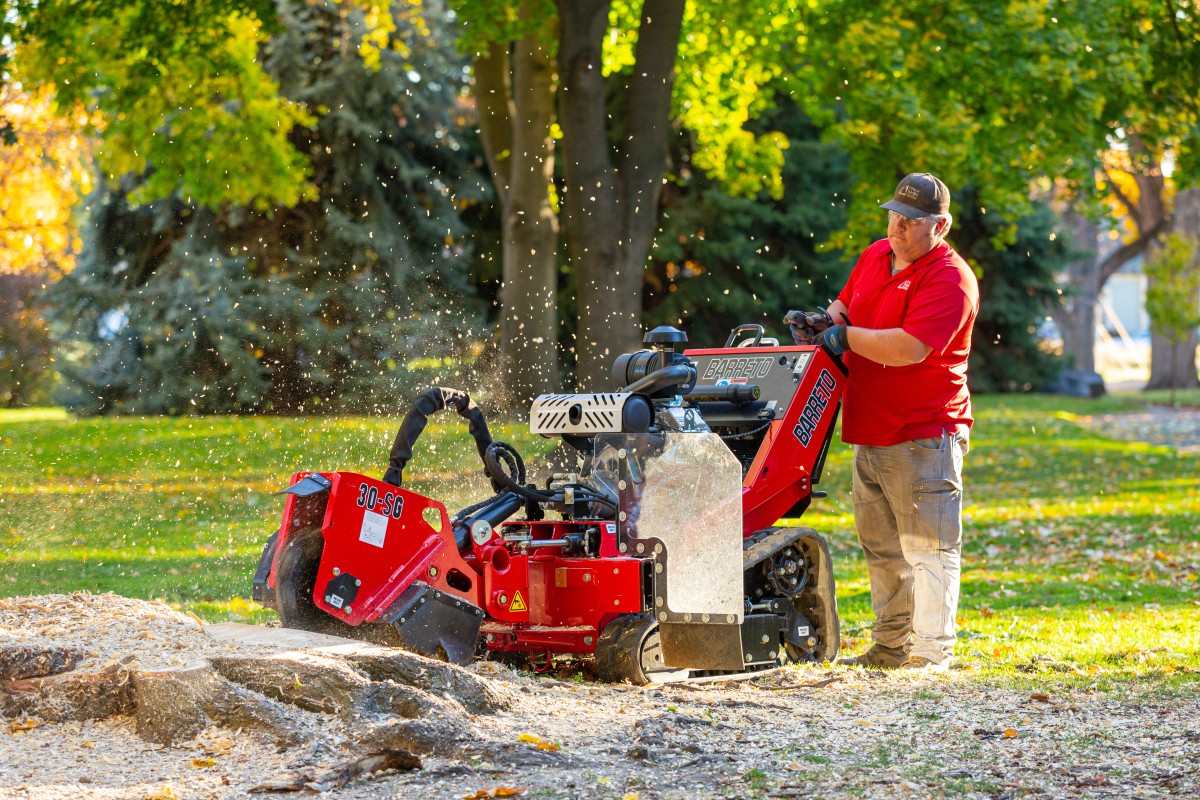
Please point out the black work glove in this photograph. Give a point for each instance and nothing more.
(836, 339)
(805, 325)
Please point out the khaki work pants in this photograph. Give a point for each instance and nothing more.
(908, 512)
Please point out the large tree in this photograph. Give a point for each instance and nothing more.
(515, 83)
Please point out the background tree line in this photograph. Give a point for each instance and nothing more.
(316, 205)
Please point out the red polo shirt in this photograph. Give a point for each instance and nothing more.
(936, 300)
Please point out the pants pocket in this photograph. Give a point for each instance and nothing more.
(937, 516)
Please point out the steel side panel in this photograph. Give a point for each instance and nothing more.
(388, 551)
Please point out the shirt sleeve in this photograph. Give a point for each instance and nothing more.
(940, 309)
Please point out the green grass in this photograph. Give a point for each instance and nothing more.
(1081, 553)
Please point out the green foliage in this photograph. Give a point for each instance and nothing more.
(727, 63)
(1174, 286)
(486, 22)
(723, 260)
(1017, 283)
(182, 99)
(996, 95)
(177, 309)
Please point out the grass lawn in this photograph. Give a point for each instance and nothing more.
(1080, 564)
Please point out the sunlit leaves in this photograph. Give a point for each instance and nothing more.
(727, 65)
(180, 97)
(42, 176)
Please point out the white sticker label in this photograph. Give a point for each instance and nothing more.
(612, 528)
(374, 528)
(802, 631)
(334, 600)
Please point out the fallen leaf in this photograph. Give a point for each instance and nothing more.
(203, 762)
(505, 791)
(529, 737)
(1011, 733)
(22, 725)
(1040, 698)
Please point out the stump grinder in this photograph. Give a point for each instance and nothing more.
(650, 546)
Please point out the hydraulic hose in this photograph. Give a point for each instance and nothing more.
(418, 417)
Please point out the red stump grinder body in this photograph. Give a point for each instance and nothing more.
(660, 560)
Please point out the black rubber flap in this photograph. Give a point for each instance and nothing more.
(435, 623)
(262, 593)
(702, 646)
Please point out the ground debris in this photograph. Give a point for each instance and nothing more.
(337, 777)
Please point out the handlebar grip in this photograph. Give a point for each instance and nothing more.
(733, 393)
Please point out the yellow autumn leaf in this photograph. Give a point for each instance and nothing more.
(505, 791)
(1011, 733)
(529, 737)
(203, 762)
(22, 725)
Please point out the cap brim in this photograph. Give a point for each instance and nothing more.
(912, 212)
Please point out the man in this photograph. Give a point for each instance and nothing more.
(903, 327)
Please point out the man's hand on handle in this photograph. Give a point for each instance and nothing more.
(805, 325)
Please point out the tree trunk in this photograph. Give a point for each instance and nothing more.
(1076, 316)
(612, 209)
(515, 97)
(1173, 364)
(1076, 313)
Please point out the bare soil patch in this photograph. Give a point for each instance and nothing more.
(816, 732)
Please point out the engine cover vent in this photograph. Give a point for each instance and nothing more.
(587, 414)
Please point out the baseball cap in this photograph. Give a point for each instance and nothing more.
(918, 195)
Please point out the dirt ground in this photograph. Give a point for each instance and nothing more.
(795, 732)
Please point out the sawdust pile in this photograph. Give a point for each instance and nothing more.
(108, 629)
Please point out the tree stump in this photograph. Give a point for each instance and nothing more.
(20, 660)
(69, 696)
(175, 705)
(177, 678)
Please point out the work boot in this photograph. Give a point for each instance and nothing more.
(923, 664)
(878, 657)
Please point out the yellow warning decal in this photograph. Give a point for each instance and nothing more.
(518, 603)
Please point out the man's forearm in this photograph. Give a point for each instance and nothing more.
(892, 347)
